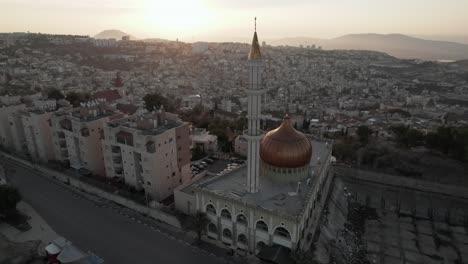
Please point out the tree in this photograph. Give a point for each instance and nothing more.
(54, 93)
(155, 101)
(9, 198)
(76, 98)
(198, 223)
(198, 153)
(364, 133)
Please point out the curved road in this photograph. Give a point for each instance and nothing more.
(114, 237)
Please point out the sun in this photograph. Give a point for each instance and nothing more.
(177, 16)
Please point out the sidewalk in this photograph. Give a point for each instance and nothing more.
(46, 234)
(40, 230)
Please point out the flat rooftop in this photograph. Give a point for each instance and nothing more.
(145, 125)
(272, 196)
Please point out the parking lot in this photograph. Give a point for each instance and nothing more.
(215, 166)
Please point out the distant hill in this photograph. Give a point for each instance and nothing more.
(462, 63)
(112, 33)
(397, 45)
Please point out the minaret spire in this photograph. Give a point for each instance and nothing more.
(255, 24)
(254, 132)
(255, 53)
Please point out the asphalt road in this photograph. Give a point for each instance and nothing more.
(104, 231)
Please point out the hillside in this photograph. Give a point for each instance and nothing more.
(397, 45)
(112, 33)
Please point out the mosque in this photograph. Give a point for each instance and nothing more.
(275, 201)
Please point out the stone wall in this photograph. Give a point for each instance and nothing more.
(440, 202)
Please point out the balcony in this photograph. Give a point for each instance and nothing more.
(84, 132)
(63, 144)
(123, 137)
(66, 124)
(117, 161)
(116, 149)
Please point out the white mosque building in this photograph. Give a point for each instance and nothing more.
(276, 200)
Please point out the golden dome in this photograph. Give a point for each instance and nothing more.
(285, 147)
(254, 53)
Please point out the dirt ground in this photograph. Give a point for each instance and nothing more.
(18, 253)
(25, 247)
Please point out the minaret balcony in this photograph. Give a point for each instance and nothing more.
(253, 136)
(255, 91)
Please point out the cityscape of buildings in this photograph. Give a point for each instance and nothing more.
(287, 151)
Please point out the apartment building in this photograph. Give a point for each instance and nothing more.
(77, 135)
(8, 138)
(35, 123)
(149, 151)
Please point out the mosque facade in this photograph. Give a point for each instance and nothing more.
(276, 200)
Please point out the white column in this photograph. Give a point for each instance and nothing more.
(254, 133)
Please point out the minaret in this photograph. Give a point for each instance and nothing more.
(254, 133)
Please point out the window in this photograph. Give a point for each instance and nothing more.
(212, 228)
(261, 226)
(210, 209)
(282, 232)
(242, 239)
(241, 219)
(226, 214)
(260, 245)
(227, 233)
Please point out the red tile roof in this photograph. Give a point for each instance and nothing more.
(109, 95)
(128, 109)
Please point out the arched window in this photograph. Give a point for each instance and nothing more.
(260, 245)
(242, 239)
(241, 219)
(227, 233)
(261, 226)
(212, 228)
(226, 214)
(282, 232)
(210, 209)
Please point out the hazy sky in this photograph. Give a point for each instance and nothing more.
(230, 19)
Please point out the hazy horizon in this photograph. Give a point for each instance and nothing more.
(193, 20)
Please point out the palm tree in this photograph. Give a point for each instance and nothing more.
(198, 223)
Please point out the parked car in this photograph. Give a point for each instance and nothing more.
(209, 161)
(204, 164)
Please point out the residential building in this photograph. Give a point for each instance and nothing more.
(202, 139)
(8, 139)
(240, 146)
(149, 151)
(77, 135)
(37, 127)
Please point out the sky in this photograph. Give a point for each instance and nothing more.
(228, 20)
